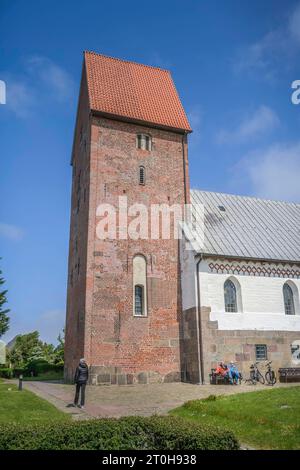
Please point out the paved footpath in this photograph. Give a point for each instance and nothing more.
(127, 400)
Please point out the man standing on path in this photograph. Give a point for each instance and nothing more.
(80, 379)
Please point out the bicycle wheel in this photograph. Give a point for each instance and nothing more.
(252, 378)
(270, 377)
(260, 378)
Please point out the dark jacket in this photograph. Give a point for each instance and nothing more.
(81, 374)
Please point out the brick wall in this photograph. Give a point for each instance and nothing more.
(119, 347)
(77, 265)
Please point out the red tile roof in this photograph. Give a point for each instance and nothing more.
(134, 91)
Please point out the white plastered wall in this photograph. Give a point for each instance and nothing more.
(261, 296)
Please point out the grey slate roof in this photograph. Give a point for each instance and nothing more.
(249, 227)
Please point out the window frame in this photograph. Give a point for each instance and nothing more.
(144, 142)
(142, 175)
(231, 283)
(257, 355)
(141, 287)
(287, 288)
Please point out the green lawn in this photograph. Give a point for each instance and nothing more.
(268, 419)
(25, 407)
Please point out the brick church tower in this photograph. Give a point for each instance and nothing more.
(124, 295)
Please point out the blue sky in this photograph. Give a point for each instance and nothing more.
(233, 63)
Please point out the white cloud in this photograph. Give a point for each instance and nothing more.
(54, 77)
(262, 121)
(40, 81)
(12, 232)
(20, 98)
(274, 52)
(274, 172)
(294, 23)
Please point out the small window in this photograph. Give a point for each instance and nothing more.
(139, 300)
(288, 296)
(143, 142)
(261, 352)
(295, 351)
(142, 175)
(230, 296)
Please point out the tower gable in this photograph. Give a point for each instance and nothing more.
(134, 92)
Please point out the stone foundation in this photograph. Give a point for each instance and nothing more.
(235, 345)
(101, 375)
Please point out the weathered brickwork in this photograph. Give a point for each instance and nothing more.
(76, 296)
(227, 345)
(119, 347)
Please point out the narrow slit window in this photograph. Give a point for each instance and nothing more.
(142, 175)
(139, 300)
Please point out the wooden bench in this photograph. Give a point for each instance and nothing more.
(218, 379)
(289, 374)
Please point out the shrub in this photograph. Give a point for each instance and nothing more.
(210, 398)
(6, 373)
(130, 433)
(38, 367)
(17, 371)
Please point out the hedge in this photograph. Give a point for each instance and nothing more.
(37, 367)
(17, 371)
(6, 373)
(130, 433)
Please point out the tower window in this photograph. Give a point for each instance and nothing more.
(143, 142)
(139, 300)
(142, 175)
(139, 286)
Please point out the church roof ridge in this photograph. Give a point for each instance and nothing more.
(107, 56)
(247, 196)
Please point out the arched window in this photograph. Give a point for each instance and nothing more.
(143, 142)
(288, 296)
(139, 286)
(142, 175)
(139, 300)
(230, 296)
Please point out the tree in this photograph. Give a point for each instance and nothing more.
(25, 347)
(49, 352)
(37, 352)
(4, 319)
(60, 348)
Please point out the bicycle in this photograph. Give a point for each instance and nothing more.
(255, 375)
(270, 374)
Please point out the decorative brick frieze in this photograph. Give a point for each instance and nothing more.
(256, 269)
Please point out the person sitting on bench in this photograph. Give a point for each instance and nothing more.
(233, 373)
(222, 370)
